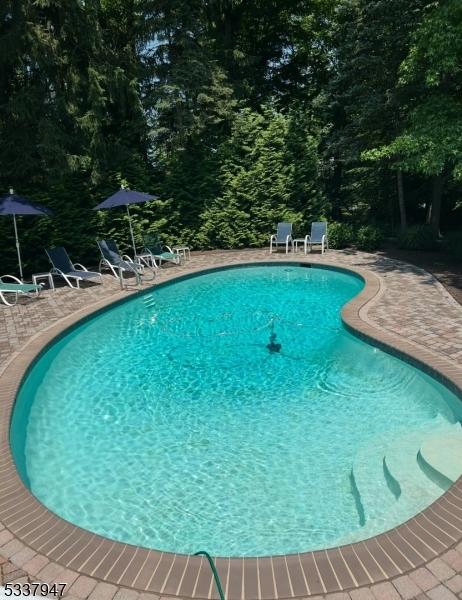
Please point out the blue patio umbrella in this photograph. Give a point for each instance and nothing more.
(12, 204)
(124, 197)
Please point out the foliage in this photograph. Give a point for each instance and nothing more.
(364, 102)
(341, 235)
(73, 124)
(368, 238)
(452, 243)
(269, 173)
(237, 114)
(430, 143)
(418, 237)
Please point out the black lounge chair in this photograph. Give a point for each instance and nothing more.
(63, 267)
(112, 259)
(118, 264)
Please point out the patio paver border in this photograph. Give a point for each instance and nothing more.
(391, 554)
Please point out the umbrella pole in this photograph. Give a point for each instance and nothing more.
(131, 231)
(17, 246)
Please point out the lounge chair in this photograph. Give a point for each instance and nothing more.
(62, 266)
(118, 264)
(16, 287)
(318, 236)
(282, 237)
(154, 248)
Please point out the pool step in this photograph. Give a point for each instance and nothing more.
(442, 453)
(396, 478)
(402, 462)
(373, 487)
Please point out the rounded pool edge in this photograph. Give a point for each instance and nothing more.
(422, 538)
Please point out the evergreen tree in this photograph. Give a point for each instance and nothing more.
(269, 173)
(74, 123)
(371, 39)
(221, 108)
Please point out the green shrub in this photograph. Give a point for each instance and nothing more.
(368, 237)
(340, 235)
(452, 243)
(418, 237)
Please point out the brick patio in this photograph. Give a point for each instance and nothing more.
(406, 308)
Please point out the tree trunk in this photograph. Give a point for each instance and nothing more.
(437, 197)
(428, 217)
(402, 206)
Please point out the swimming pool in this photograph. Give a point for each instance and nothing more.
(173, 426)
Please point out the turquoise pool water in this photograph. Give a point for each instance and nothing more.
(166, 422)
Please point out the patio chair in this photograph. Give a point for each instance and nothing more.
(282, 237)
(62, 266)
(119, 264)
(154, 248)
(318, 236)
(114, 261)
(15, 288)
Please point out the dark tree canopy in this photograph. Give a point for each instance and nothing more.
(237, 113)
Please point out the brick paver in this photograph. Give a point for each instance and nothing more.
(103, 591)
(51, 573)
(82, 587)
(125, 594)
(424, 579)
(11, 548)
(441, 593)
(454, 559)
(362, 594)
(23, 556)
(5, 537)
(440, 569)
(406, 587)
(36, 564)
(455, 584)
(410, 305)
(385, 591)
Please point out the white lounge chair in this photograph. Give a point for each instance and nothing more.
(62, 266)
(14, 288)
(318, 236)
(282, 237)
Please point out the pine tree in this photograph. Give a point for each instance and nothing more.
(269, 173)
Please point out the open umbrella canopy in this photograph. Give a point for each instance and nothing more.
(124, 197)
(12, 204)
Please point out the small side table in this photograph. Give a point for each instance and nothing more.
(183, 251)
(146, 258)
(297, 243)
(47, 276)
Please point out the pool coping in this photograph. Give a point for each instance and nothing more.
(402, 549)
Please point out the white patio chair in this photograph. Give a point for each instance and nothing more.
(318, 236)
(14, 288)
(282, 237)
